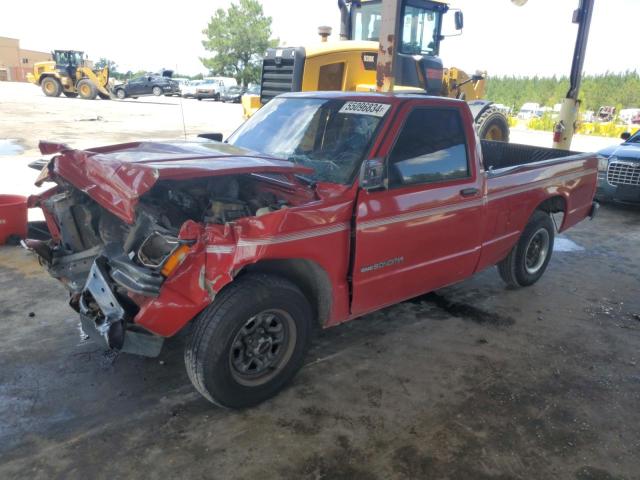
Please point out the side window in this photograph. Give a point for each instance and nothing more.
(431, 147)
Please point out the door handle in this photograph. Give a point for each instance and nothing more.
(469, 192)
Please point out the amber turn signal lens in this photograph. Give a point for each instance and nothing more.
(174, 260)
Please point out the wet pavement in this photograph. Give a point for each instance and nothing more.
(475, 381)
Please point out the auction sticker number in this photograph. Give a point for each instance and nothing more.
(365, 108)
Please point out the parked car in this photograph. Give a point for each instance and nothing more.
(529, 110)
(209, 88)
(321, 208)
(619, 171)
(182, 82)
(232, 94)
(147, 85)
(189, 90)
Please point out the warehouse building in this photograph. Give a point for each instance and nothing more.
(16, 62)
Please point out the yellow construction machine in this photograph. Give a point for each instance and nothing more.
(351, 64)
(69, 74)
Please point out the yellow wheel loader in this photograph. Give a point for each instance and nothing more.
(351, 63)
(69, 74)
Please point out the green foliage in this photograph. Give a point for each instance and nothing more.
(617, 89)
(238, 38)
(105, 62)
(546, 122)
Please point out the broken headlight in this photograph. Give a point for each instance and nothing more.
(162, 252)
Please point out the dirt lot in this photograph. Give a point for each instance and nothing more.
(475, 381)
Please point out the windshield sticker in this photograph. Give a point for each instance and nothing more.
(365, 108)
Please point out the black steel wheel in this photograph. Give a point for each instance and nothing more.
(250, 342)
(262, 347)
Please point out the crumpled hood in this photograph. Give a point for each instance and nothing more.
(117, 176)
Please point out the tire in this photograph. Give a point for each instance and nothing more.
(70, 94)
(522, 267)
(121, 94)
(86, 89)
(157, 91)
(219, 356)
(51, 87)
(493, 125)
(199, 99)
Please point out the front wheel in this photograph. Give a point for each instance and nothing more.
(86, 89)
(248, 344)
(528, 260)
(51, 87)
(121, 94)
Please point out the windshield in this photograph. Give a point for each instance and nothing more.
(365, 21)
(634, 138)
(330, 136)
(419, 31)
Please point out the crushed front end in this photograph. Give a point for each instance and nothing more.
(131, 238)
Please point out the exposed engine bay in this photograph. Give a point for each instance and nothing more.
(96, 247)
(86, 229)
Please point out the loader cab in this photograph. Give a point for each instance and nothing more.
(68, 61)
(418, 63)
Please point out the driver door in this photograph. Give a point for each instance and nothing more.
(423, 232)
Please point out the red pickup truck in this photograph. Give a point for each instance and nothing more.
(321, 208)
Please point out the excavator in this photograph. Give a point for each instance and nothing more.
(69, 74)
(351, 64)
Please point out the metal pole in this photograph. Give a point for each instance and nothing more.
(565, 128)
(389, 29)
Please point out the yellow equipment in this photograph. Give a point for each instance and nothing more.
(70, 75)
(351, 64)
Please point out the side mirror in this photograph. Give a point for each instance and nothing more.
(372, 174)
(625, 136)
(459, 18)
(216, 137)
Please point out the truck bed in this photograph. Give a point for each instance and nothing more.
(497, 155)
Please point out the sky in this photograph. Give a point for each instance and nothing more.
(499, 37)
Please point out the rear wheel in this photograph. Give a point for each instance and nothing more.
(86, 89)
(528, 260)
(493, 125)
(248, 344)
(70, 94)
(157, 91)
(51, 87)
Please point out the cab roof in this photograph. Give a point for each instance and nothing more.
(387, 97)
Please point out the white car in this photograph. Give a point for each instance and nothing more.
(189, 90)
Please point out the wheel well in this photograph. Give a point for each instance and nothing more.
(312, 280)
(555, 204)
